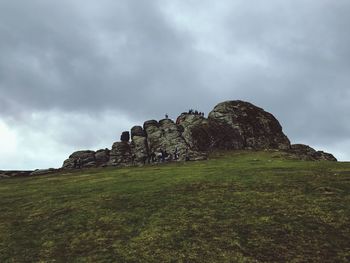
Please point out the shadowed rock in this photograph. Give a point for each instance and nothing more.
(87, 159)
(102, 157)
(202, 134)
(125, 137)
(150, 123)
(166, 135)
(8, 174)
(305, 152)
(258, 128)
(137, 131)
(44, 171)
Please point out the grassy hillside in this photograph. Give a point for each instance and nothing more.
(236, 207)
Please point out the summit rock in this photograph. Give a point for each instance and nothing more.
(231, 125)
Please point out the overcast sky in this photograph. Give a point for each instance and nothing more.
(75, 73)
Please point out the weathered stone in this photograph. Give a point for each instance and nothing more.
(87, 159)
(165, 136)
(258, 128)
(324, 156)
(137, 131)
(150, 123)
(3, 176)
(44, 171)
(120, 155)
(305, 152)
(13, 173)
(125, 137)
(102, 157)
(230, 125)
(202, 134)
(139, 150)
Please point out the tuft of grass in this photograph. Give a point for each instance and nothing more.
(241, 206)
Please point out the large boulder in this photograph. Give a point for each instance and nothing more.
(139, 149)
(44, 171)
(87, 159)
(202, 134)
(305, 152)
(258, 128)
(102, 157)
(120, 155)
(125, 137)
(137, 131)
(8, 174)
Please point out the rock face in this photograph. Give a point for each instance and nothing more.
(137, 131)
(206, 135)
(86, 159)
(257, 128)
(44, 171)
(307, 153)
(37, 172)
(164, 136)
(125, 137)
(139, 146)
(231, 125)
(139, 149)
(120, 155)
(102, 157)
(8, 174)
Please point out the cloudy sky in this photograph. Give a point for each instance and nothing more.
(75, 73)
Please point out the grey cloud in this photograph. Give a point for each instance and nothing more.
(307, 64)
(127, 55)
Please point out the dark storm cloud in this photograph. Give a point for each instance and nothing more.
(80, 63)
(122, 55)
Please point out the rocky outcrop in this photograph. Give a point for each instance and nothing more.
(37, 172)
(137, 131)
(139, 146)
(120, 155)
(44, 171)
(166, 136)
(203, 134)
(231, 125)
(8, 174)
(102, 157)
(83, 159)
(125, 137)
(305, 152)
(257, 128)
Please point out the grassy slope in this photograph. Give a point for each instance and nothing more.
(238, 207)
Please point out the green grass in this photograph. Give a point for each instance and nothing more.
(236, 207)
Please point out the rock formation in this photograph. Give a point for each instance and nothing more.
(205, 135)
(102, 157)
(307, 153)
(139, 145)
(37, 172)
(231, 125)
(258, 128)
(120, 154)
(84, 159)
(125, 137)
